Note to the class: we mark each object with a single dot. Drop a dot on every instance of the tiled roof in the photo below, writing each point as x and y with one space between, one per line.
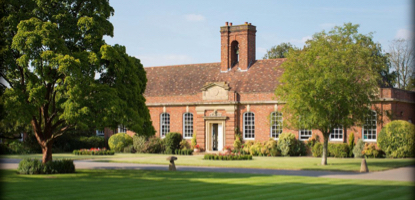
189 79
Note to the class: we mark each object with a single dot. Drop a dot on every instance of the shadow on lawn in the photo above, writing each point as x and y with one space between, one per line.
142 184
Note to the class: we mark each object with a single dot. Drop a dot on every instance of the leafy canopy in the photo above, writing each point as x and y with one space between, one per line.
280 51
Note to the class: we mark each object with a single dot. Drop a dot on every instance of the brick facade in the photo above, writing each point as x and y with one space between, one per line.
220 94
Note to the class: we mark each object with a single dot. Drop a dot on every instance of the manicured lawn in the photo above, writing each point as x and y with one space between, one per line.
293 163
139 184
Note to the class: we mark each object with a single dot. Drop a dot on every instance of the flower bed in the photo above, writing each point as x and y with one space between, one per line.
230 156
93 151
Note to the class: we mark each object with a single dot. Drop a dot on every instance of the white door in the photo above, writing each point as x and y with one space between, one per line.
220 137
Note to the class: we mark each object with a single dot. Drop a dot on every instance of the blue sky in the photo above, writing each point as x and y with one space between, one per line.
161 32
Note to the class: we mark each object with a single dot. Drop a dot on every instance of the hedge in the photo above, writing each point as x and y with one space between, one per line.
35 166
227 157
93 152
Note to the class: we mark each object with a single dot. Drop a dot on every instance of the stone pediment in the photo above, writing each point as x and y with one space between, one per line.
215 91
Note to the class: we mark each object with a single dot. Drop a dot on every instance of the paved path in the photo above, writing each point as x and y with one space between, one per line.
399 174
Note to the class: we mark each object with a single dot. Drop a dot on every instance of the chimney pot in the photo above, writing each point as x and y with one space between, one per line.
249 24
246 23
230 24
226 23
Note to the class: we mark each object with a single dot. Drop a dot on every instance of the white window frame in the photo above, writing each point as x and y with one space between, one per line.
100 133
250 126
276 125
372 117
337 131
187 125
122 129
304 131
164 127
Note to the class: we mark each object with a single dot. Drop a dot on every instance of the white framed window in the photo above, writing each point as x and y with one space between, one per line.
276 124
305 134
369 128
100 133
122 129
336 134
164 124
249 125
187 125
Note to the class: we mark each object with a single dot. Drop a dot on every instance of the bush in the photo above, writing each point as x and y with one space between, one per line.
93 151
255 149
237 144
270 148
119 141
287 144
14 147
397 139
139 143
184 145
194 141
338 150
227 157
317 149
358 148
247 147
371 151
351 144
129 149
34 166
154 145
172 141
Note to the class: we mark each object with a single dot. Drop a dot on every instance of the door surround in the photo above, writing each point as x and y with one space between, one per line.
208 132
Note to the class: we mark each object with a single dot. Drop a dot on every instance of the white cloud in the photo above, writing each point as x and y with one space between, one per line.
163 60
300 42
327 26
194 17
404 34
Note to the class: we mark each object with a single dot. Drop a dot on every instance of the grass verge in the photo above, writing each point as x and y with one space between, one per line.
139 184
289 163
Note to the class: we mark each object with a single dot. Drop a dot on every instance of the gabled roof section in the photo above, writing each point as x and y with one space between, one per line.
262 76
208 85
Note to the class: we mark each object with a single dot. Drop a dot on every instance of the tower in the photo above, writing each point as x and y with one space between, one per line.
237 46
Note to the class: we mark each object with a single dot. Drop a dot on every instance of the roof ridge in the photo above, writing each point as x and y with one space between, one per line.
182 65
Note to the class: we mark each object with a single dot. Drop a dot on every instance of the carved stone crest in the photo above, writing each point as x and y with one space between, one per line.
215 91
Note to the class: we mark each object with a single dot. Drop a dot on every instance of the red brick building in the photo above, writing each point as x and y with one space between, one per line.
213 100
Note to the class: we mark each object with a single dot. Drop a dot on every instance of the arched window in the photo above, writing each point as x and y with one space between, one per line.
336 134
187 125
276 124
234 53
249 125
164 124
369 128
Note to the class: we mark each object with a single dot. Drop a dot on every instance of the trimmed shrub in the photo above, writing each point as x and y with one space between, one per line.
247 147
255 149
371 151
270 148
194 141
184 145
317 149
119 141
358 148
139 143
93 152
287 144
227 157
237 144
172 141
129 149
397 139
351 144
338 150
154 145
35 166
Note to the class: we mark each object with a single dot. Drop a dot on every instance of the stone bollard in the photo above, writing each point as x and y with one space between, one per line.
363 166
172 167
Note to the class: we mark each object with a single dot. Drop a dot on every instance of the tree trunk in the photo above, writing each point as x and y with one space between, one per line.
47 152
325 145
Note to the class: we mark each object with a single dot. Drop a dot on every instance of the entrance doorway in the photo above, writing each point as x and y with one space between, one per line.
217 137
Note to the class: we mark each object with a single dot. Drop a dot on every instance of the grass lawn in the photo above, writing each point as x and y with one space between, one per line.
139 184
292 163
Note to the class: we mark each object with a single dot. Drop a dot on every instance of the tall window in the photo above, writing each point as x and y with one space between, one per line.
369 128
122 129
305 134
249 125
276 124
164 124
187 125
100 133
336 134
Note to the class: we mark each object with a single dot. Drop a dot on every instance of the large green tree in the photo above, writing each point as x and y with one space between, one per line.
61 73
279 51
331 82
